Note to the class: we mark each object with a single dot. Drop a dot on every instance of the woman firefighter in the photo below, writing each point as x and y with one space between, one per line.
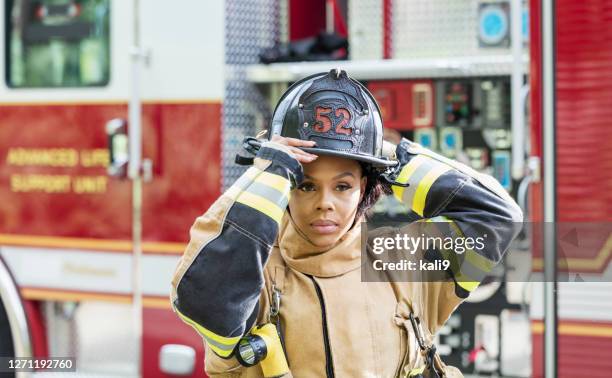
275 278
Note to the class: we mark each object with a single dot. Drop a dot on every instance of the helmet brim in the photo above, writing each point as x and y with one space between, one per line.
376 162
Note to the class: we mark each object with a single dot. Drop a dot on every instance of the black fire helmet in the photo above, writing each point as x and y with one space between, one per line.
338 113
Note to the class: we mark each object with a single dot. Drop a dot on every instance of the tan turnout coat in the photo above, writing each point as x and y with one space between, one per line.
333 323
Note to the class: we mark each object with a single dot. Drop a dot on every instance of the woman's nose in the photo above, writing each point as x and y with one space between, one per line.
325 201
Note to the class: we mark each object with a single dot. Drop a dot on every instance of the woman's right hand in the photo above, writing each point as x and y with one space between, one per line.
293 144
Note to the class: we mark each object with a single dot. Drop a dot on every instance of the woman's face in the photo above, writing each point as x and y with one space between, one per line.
324 205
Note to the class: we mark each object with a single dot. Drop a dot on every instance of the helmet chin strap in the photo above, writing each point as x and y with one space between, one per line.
354 220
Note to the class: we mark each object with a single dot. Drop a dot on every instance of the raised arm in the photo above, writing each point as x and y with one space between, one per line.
217 284
464 203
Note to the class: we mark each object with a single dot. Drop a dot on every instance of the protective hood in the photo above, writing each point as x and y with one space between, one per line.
300 254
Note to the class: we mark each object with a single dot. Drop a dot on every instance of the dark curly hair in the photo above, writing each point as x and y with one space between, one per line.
376 186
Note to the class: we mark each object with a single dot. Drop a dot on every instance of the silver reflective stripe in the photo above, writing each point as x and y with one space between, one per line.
227 348
246 178
472 272
414 180
269 193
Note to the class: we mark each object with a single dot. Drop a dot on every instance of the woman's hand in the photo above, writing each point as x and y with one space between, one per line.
293 144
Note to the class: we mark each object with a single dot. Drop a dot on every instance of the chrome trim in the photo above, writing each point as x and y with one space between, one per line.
18 321
517 78
549 200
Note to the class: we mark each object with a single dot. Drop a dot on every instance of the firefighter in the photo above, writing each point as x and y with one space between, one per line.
272 278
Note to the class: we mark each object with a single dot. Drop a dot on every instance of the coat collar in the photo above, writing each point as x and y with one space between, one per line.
300 254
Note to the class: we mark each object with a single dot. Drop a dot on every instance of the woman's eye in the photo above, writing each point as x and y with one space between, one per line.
306 187
343 187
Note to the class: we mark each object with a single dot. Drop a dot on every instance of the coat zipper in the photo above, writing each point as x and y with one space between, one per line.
329 364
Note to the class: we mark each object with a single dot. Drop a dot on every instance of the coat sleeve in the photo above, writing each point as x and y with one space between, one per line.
217 284
453 200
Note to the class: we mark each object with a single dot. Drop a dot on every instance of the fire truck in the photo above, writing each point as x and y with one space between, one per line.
120 120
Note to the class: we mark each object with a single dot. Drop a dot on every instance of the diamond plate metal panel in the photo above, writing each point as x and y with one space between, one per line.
437 28
365 29
250 26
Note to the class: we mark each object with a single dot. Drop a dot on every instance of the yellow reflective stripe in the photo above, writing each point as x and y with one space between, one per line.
261 204
479 261
467 285
223 346
274 181
416 371
269 179
405 174
263 191
472 263
424 185
456 229
461 278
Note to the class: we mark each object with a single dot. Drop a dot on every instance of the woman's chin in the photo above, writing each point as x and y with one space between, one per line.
323 241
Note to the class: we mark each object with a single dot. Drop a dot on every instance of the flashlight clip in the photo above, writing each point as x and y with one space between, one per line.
432 360
275 305
416 326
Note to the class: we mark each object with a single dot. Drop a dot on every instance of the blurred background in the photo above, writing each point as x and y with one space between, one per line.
120 121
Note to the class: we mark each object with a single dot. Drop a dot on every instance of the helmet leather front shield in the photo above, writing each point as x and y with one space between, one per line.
333 124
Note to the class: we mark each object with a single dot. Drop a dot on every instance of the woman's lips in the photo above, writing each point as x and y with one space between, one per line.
324 226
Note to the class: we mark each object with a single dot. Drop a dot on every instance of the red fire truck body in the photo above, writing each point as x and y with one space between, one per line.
65 224
582 171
